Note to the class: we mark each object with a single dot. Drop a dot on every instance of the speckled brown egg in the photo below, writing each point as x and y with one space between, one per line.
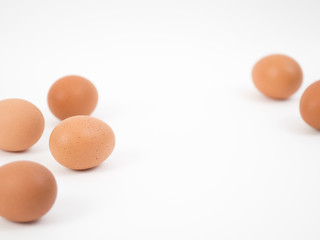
310 105
21 124
277 76
81 142
72 95
27 191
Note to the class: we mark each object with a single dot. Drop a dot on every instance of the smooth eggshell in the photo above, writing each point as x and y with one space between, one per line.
81 142
277 76
72 95
27 191
21 124
310 105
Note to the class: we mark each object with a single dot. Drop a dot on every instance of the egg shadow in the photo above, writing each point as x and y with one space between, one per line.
256 96
8 156
64 171
29 154
107 112
117 160
66 209
13 224
18 152
52 122
9 226
297 126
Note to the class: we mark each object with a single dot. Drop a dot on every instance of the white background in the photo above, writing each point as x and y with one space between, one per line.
200 153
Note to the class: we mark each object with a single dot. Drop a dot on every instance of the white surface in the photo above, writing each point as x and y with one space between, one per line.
200 153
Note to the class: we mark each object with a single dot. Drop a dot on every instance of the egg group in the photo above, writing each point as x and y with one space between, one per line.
28 190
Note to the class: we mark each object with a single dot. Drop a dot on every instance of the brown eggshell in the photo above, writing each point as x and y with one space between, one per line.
277 76
27 191
21 124
72 95
310 105
81 142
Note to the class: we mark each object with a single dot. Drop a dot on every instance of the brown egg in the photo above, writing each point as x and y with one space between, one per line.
310 105
277 76
81 142
21 124
72 95
27 191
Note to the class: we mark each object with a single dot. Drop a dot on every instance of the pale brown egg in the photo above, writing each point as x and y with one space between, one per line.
81 142
21 124
277 76
310 105
72 95
27 191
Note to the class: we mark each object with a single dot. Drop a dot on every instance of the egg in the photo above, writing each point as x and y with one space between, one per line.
277 76
27 191
81 142
310 105
72 95
21 124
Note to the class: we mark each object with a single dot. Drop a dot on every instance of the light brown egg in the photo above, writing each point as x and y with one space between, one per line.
310 105
81 142
72 95
277 76
27 191
21 124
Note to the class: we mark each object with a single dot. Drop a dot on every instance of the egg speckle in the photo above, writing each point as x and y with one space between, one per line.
81 142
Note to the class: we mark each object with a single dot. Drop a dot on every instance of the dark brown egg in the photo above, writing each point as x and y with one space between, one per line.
27 191
277 76
310 105
72 95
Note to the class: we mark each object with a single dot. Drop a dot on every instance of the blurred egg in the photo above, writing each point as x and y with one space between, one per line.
21 124
72 95
310 105
27 191
81 142
277 76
